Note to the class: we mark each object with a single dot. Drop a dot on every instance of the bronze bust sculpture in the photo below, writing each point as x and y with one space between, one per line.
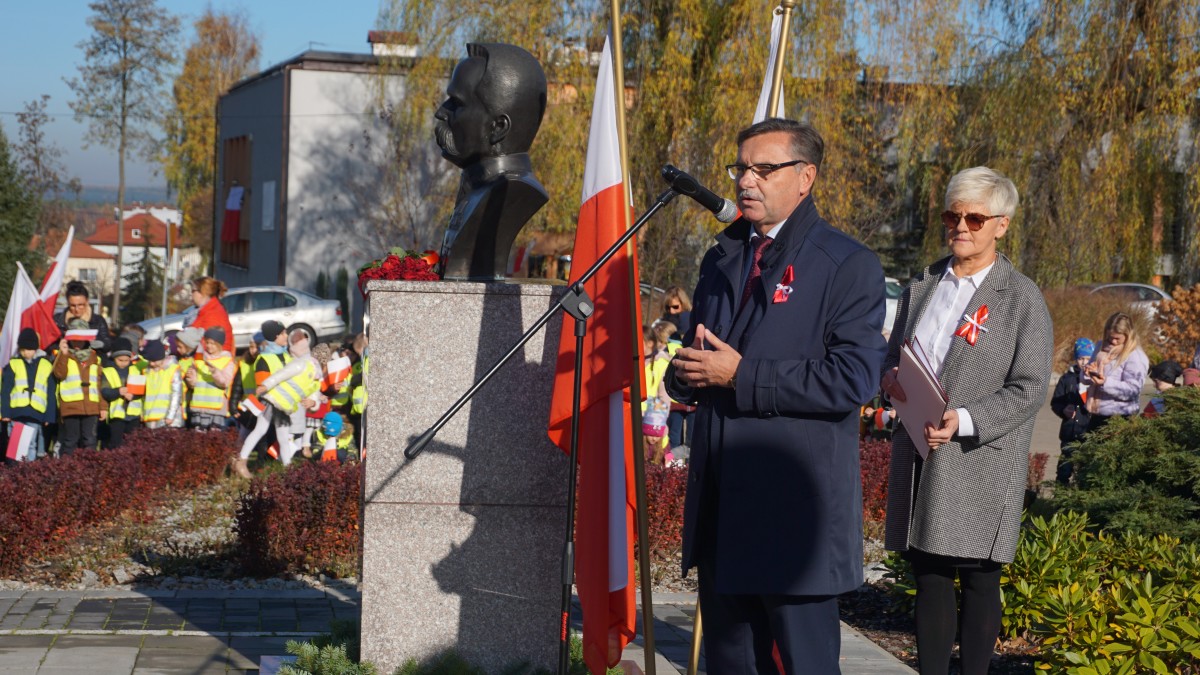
494 105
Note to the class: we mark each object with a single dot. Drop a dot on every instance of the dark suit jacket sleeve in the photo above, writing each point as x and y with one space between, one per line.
999 413
848 374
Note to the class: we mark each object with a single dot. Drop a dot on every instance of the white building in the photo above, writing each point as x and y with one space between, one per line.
143 230
306 145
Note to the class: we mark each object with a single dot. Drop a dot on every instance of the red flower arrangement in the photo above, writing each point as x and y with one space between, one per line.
399 264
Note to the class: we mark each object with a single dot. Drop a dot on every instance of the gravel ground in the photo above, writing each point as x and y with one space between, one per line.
186 542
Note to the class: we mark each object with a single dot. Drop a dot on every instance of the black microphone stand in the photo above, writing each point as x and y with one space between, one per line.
576 303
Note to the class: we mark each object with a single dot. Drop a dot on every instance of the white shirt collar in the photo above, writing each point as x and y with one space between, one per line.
772 233
973 279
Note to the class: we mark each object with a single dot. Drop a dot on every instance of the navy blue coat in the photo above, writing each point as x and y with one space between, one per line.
781 451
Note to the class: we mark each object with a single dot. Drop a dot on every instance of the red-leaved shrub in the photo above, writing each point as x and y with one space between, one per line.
1037 470
52 500
874 457
304 520
666 487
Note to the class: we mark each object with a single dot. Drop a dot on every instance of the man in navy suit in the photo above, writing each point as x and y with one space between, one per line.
786 345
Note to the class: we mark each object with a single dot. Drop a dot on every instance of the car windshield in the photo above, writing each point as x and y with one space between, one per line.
893 289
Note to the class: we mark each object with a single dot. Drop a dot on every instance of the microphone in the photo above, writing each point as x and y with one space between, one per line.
722 208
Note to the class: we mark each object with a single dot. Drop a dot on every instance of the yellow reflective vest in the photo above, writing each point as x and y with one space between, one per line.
118 409
71 388
286 395
26 394
359 397
158 392
206 394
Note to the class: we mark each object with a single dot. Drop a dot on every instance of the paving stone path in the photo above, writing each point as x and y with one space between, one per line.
199 632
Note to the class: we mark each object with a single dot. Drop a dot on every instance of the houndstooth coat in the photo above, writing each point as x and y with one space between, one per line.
971 491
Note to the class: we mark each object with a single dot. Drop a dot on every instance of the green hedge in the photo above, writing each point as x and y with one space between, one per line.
1142 475
1097 602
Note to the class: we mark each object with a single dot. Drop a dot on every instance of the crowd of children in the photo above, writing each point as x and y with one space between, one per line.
286 396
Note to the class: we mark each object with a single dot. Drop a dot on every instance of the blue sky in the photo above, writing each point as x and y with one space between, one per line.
39 47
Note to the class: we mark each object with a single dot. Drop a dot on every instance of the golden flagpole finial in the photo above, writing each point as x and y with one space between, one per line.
773 101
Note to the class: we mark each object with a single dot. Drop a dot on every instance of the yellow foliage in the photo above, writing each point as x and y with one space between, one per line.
223 52
1179 324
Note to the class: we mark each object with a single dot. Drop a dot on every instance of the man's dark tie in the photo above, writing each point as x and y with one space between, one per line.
755 279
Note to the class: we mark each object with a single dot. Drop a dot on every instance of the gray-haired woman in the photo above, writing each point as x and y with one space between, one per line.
957 513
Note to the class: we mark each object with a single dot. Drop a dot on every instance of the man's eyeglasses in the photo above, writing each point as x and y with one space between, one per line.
975 221
760 171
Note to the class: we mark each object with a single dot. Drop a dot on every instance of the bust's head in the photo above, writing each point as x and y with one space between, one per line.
494 104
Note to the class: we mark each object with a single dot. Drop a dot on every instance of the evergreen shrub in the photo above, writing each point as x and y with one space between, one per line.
1142 474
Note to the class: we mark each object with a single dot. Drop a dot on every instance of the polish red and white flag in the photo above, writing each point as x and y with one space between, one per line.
605 522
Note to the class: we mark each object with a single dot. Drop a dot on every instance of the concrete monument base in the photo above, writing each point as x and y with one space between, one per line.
462 546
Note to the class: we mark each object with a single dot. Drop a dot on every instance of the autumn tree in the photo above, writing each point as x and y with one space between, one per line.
18 216
119 88
426 184
223 51
1089 107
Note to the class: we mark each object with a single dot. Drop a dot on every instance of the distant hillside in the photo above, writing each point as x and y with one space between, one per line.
93 194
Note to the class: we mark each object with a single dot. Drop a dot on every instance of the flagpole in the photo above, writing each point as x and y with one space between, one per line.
774 100
635 335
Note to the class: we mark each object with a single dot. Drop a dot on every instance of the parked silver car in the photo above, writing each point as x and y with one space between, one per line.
249 307
892 290
1142 297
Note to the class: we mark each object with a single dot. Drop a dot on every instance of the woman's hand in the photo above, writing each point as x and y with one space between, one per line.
937 435
891 385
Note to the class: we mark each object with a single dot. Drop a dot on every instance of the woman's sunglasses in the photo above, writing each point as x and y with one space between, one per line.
975 221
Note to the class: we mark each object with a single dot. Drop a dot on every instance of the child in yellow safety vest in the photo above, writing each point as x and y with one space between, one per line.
77 369
162 406
27 396
187 341
210 377
124 405
285 395
334 440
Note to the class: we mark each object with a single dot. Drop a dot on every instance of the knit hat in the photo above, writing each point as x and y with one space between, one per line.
1167 371
258 338
190 337
216 334
28 339
1084 348
121 347
271 330
1191 377
331 424
154 351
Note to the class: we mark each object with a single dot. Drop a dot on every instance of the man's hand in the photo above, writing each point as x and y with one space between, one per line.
891 385
936 436
103 415
700 367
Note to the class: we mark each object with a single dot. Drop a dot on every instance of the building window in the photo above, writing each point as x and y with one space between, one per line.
235 191
135 233
87 274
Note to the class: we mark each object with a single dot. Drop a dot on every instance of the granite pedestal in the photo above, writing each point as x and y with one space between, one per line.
462 546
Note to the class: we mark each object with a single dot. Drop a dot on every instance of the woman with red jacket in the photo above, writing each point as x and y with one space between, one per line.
206 294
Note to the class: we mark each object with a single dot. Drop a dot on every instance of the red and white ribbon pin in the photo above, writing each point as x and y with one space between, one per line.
784 289
974 324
